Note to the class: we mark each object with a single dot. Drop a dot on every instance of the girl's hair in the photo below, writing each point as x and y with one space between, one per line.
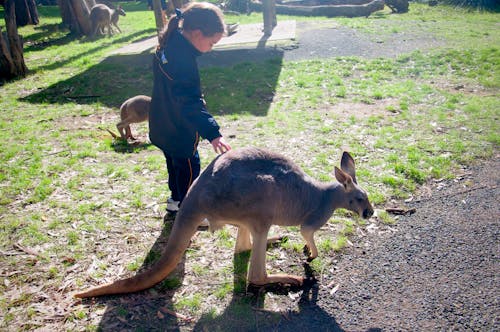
202 16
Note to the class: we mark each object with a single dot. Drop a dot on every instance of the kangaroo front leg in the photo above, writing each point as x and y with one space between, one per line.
121 129
308 235
129 133
257 274
243 240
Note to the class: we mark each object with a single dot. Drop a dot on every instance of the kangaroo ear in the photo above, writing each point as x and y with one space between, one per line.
344 178
347 165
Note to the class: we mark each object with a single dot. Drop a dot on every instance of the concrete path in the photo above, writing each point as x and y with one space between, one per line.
247 35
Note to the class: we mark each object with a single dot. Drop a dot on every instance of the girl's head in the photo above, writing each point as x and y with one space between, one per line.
202 23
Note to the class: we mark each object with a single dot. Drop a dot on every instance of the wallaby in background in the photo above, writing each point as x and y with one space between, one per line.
102 16
133 110
252 189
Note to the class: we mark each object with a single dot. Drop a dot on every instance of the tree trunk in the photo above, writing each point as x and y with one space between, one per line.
327 10
269 16
324 2
26 12
12 51
398 6
178 3
6 62
65 11
159 16
75 14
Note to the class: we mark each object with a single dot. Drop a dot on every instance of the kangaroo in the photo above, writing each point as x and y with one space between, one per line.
133 110
102 16
252 189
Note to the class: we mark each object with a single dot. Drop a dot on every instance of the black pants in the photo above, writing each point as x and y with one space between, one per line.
181 174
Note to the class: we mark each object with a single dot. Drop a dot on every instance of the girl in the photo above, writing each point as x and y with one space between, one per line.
178 115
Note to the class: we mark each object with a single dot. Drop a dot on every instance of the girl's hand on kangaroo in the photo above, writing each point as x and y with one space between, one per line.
220 145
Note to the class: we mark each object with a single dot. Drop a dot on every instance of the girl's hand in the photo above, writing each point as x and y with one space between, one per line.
220 145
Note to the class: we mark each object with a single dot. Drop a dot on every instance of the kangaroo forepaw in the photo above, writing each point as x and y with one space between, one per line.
308 253
306 250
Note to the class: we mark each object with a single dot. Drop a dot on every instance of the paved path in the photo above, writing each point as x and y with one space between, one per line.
248 35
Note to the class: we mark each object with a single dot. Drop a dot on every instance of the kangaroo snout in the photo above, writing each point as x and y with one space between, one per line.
368 212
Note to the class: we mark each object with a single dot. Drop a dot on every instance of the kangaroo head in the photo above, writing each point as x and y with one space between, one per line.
120 11
355 197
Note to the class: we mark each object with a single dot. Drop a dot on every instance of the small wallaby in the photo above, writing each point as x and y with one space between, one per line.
133 110
252 189
102 16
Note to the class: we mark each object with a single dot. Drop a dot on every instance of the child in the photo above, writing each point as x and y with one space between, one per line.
178 115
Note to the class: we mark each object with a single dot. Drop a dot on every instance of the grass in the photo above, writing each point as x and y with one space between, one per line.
88 208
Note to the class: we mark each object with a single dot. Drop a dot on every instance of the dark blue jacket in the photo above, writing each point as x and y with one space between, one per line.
178 114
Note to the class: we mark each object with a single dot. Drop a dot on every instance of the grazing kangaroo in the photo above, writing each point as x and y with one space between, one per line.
133 110
102 16
252 189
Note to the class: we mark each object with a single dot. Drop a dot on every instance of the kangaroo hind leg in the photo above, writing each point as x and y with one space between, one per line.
257 274
243 240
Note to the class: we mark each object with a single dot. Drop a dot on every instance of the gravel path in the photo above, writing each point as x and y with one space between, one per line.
314 41
436 270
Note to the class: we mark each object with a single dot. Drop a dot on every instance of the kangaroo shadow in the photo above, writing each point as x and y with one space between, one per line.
246 310
149 310
122 146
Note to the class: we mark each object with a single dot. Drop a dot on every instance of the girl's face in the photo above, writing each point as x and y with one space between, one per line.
201 42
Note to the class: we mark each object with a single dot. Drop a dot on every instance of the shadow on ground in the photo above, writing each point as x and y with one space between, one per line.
149 310
152 310
246 312
231 83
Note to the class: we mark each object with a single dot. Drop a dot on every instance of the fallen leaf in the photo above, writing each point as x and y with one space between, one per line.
334 289
175 314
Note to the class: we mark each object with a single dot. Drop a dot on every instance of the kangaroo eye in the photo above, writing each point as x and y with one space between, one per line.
361 197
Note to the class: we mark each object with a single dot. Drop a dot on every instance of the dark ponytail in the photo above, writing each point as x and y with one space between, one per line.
173 24
202 16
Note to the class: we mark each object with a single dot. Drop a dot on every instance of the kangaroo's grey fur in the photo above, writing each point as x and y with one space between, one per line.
101 16
133 110
252 189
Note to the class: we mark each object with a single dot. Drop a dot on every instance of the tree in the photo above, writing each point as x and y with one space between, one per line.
347 8
11 49
75 15
26 12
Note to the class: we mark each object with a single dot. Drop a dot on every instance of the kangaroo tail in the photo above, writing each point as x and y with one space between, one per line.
177 243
